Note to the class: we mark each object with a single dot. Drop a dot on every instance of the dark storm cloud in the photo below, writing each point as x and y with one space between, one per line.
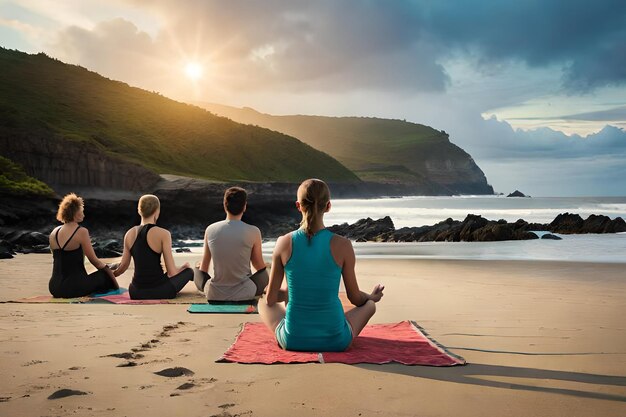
588 39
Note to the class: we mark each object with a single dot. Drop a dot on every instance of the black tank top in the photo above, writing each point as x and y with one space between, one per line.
148 269
67 263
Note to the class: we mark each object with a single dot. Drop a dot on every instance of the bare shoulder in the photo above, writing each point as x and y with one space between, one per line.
340 242
283 241
164 233
131 233
83 232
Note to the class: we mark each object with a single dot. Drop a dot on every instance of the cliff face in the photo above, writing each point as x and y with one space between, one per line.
63 164
454 169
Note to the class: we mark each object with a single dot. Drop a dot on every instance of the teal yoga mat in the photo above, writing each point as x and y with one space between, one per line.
207 308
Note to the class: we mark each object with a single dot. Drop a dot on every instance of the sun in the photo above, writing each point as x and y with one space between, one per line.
193 70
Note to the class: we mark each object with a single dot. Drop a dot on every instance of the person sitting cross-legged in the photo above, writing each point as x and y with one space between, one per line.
146 244
313 260
233 246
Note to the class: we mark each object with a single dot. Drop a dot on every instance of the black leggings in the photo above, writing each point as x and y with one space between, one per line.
80 285
166 290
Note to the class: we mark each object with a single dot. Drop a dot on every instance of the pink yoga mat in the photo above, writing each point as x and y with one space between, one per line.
403 342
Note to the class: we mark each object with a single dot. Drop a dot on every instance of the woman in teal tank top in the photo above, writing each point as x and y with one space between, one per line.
313 260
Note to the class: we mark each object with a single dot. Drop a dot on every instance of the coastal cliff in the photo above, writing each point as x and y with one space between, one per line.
68 165
378 150
72 127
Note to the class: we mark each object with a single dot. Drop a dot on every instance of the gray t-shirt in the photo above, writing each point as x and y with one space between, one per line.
230 243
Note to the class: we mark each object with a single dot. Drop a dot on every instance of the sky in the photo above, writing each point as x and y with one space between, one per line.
534 90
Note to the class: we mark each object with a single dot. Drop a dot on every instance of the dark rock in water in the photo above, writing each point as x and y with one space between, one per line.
36 249
603 224
499 232
183 250
469 226
517 193
365 229
6 250
550 236
109 248
65 392
439 231
26 238
537 226
473 229
566 223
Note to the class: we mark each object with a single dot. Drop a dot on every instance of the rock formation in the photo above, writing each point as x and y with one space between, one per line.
64 164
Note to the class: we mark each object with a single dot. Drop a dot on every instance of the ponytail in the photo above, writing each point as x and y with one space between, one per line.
313 196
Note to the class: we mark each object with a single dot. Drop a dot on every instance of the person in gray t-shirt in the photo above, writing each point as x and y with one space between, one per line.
233 246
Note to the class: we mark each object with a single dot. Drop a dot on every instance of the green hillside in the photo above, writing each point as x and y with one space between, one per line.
379 150
14 180
44 97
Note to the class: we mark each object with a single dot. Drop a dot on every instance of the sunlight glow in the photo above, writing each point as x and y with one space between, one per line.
193 70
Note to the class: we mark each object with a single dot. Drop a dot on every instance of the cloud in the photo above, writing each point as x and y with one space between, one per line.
114 48
614 114
586 39
399 46
500 141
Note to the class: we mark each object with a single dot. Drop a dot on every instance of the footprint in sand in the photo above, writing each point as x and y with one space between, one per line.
33 362
194 383
65 392
170 327
186 385
175 372
124 355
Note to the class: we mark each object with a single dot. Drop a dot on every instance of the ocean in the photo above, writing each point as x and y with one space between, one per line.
419 211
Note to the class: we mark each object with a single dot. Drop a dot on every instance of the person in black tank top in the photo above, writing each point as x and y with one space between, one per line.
149 280
69 278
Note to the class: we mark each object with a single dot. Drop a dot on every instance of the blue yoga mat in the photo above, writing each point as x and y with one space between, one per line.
112 292
222 308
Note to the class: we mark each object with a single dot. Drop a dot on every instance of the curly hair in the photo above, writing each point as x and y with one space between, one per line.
68 207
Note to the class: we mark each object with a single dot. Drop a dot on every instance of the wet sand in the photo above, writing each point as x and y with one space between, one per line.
541 339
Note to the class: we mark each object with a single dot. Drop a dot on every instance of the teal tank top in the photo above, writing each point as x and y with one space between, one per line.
314 319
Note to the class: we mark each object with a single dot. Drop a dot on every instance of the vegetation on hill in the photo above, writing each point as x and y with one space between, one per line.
44 97
381 150
13 180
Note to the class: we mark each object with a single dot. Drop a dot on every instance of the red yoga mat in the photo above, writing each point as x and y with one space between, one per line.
403 342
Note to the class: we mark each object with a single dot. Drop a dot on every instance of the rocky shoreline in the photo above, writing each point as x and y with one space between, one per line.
188 205
475 228
275 216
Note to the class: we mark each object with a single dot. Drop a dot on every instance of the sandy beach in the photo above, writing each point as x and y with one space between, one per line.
541 339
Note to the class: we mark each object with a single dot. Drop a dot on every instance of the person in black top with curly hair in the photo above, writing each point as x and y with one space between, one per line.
69 244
